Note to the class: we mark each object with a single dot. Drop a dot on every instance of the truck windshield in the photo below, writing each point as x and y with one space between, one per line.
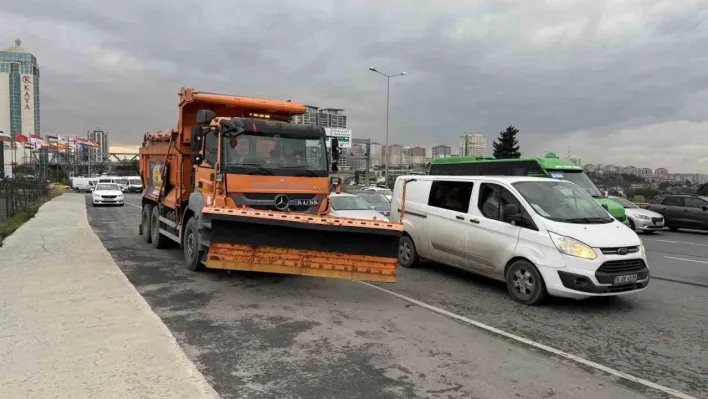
274 154
578 178
562 202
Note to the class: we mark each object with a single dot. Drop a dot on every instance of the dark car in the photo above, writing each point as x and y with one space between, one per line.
682 211
377 200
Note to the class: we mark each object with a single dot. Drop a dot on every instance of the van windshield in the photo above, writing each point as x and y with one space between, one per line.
562 202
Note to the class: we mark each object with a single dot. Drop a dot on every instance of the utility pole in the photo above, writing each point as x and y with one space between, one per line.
388 92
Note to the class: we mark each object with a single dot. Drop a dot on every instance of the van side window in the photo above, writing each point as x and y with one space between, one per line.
452 195
493 198
211 144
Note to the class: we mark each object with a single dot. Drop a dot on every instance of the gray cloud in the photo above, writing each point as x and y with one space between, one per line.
556 70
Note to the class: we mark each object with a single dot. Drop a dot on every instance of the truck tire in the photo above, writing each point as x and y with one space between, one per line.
145 223
190 242
158 240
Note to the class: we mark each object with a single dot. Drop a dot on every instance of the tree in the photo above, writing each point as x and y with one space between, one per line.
507 146
703 189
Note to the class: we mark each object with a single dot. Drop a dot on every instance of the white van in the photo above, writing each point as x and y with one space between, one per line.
541 236
81 184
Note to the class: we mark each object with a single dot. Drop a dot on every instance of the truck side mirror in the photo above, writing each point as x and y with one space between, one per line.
205 116
196 143
335 149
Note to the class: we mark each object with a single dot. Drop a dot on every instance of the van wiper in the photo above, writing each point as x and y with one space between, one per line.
302 167
588 220
257 166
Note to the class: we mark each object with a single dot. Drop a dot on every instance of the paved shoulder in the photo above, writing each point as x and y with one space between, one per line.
73 326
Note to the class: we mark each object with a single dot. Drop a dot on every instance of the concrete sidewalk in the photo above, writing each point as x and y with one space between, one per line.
72 325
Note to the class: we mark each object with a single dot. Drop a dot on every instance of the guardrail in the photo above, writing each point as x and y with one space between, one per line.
17 194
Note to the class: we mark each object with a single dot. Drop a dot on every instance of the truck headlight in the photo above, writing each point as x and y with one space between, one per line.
572 247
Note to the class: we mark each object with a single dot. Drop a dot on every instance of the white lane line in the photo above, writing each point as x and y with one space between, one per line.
537 345
137 206
684 259
675 242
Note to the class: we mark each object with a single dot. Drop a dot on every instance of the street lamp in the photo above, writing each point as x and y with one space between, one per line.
388 92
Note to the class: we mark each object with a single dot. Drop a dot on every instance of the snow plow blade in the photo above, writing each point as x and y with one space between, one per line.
307 245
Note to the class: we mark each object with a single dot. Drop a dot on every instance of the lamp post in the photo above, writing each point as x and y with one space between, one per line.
388 92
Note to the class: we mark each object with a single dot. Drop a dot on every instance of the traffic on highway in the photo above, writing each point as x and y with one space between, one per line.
428 323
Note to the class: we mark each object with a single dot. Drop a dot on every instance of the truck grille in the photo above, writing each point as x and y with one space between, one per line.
622 266
616 250
271 196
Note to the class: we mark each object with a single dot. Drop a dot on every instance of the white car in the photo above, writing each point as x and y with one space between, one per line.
386 192
352 206
107 194
641 219
540 236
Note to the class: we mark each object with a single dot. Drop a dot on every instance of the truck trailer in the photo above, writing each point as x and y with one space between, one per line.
238 187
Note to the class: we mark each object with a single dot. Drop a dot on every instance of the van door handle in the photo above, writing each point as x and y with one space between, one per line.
474 221
460 217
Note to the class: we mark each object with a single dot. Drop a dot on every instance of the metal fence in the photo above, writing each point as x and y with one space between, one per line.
17 194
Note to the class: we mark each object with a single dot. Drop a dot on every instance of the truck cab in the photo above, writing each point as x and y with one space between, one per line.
261 164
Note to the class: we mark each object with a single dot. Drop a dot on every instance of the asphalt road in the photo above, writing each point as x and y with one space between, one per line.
680 255
336 338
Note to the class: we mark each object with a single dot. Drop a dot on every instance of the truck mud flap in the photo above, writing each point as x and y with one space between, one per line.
308 245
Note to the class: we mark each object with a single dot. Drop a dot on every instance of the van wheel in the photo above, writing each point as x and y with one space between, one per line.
525 283
158 240
191 245
407 255
145 223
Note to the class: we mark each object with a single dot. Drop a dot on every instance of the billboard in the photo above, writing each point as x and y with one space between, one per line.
343 135
5 102
27 103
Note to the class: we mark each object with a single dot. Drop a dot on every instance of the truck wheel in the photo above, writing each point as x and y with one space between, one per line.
158 240
145 223
525 283
191 245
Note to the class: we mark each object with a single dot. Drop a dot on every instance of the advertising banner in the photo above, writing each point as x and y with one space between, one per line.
27 103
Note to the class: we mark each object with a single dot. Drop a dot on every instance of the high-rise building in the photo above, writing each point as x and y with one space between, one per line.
376 154
415 156
19 91
441 151
101 137
325 117
394 153
473 145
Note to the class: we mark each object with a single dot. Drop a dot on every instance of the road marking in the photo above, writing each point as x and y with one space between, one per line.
137 206
675 242
687 260
537 345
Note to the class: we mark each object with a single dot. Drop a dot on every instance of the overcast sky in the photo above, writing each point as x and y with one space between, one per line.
614 81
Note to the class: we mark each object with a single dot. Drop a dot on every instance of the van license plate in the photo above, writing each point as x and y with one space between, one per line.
628 279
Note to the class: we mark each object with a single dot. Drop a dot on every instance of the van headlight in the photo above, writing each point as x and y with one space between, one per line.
572 247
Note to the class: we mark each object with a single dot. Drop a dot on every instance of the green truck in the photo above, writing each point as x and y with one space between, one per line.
549 166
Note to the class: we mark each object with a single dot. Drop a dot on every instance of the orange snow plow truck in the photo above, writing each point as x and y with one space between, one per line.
238 187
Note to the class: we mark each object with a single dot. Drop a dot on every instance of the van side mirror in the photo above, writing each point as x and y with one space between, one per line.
205 116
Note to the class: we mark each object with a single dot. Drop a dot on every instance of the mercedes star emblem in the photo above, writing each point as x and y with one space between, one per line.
281 202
